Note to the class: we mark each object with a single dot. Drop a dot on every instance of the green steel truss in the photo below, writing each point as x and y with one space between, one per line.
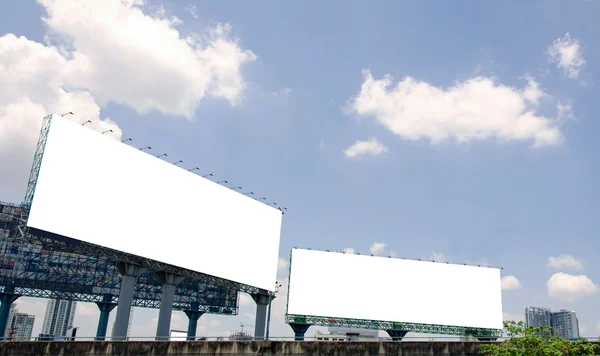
389 325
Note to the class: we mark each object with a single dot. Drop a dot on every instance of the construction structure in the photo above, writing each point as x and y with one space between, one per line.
40 259
411 296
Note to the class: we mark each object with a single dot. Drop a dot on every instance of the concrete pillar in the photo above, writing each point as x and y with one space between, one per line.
105 306
193 315
6 298
299 330
397 335
130 274
262 302
170 281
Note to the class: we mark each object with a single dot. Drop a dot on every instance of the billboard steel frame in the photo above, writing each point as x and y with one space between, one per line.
106 253
389 325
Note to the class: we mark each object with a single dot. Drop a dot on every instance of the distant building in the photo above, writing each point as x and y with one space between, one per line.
22 326
345 334
59 317
19 325
8 330
564 323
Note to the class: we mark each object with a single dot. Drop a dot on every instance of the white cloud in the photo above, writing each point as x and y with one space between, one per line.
368 147
564 261
349 250
568 287
282 264
438 256
510 283
106 51
142 60
598 328
476 109
192 10
377 248
566 53
33 81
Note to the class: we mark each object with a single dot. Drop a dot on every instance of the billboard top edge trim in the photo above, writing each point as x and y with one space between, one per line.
391 257
57 116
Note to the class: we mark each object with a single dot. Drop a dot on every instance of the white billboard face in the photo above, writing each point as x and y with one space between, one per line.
328 284
98 190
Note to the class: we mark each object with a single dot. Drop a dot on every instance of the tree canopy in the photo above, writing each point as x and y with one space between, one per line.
539 341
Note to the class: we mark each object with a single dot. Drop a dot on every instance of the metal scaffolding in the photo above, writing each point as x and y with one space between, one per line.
388 325
37 271
83 248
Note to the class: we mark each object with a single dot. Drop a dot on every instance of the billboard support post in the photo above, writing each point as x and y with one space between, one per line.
105 306
170 281
262 301
193 314
7 297
397 335
130 275
299 330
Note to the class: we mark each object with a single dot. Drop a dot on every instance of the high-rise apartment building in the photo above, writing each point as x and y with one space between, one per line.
22 326
564 323
19 325
11 314
535 317
59 317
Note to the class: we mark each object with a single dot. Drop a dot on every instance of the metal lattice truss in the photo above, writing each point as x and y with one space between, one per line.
388 325
36 271
100 252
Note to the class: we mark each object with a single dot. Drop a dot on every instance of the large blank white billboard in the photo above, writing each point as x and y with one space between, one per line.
337 285
96 189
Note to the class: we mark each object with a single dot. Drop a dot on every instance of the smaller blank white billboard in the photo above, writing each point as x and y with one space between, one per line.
337 285
96 189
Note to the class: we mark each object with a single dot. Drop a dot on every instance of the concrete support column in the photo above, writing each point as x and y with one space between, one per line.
105 306
130 274
193 315
299 330
6 298
170 281
262 302
397 335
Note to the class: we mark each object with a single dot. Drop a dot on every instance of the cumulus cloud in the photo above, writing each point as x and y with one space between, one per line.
369 147
564 261
568 287
566 53
377 248
282 264
106 51
476 109
349 250
33 86
510 283
438 256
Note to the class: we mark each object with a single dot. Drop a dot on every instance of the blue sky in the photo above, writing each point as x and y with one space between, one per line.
455 167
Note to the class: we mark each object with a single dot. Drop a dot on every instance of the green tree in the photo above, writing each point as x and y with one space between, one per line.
538 341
